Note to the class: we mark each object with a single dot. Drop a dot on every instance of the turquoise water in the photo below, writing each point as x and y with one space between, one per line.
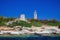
29 37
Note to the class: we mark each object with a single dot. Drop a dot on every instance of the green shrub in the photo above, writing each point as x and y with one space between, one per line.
38 24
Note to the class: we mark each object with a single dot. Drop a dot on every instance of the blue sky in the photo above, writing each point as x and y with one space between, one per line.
46 9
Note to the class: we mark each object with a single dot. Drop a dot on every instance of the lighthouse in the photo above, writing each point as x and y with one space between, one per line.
35 14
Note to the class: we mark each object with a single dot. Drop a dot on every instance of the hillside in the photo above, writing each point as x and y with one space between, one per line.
37 23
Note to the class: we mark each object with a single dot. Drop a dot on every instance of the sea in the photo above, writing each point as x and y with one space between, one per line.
31 37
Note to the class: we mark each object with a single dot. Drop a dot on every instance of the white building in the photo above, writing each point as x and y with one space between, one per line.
22 17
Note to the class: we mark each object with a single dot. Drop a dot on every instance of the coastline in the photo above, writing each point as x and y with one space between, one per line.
31 35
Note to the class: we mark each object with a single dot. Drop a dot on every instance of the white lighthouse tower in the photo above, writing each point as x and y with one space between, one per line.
35 14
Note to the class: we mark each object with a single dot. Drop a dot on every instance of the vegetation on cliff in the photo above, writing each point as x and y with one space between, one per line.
34 22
